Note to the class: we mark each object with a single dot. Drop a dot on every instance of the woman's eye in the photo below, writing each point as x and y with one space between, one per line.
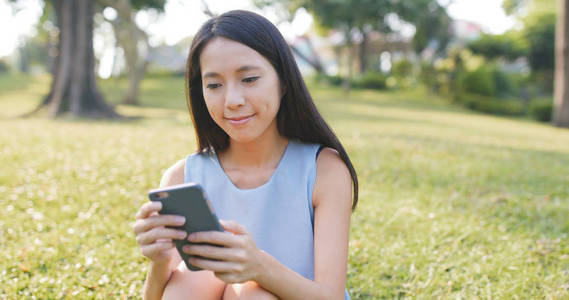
251 79
213 85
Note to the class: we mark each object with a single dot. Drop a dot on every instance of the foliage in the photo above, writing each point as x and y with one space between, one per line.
492 105
541 109
480 81
361 16
540 34
487 80
370 80
402 68
335 80
529 7
4 66
509 45
432 23
146 4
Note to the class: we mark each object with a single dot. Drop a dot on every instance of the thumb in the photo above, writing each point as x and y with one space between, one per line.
233 227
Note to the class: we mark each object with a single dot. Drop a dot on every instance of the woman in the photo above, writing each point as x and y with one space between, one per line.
270 166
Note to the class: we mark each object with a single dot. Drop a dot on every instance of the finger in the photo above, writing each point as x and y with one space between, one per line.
226 239
159 233
147 208
233 227
216 266
148 223
153 249
228 277
213 252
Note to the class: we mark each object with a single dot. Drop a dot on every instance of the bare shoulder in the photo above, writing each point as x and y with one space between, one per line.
174 174
333 180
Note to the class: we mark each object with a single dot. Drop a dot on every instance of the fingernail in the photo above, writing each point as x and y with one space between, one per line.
181 234
191 237
180 220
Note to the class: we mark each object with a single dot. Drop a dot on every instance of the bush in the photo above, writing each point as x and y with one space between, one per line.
541 110
429 75
402 68
4 67
479 81
370 80
487 81
492 105
335 80
504 85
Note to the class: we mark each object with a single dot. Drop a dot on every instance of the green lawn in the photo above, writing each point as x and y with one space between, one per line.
453 204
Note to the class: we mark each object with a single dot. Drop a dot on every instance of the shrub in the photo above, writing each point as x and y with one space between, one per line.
541 110
335 80
504 85
487 81
4 67
370 80
429 75
402 68
492 105
480 81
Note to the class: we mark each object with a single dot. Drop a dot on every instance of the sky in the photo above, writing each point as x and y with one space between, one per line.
182 18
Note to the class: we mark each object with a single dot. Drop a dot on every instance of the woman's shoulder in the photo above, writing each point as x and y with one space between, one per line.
332 176
174 174
329 160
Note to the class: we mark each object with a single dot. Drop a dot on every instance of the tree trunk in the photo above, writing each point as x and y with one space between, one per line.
561 102
363 51
134 42
73 87
347 83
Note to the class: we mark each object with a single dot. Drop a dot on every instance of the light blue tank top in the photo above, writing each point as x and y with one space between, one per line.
279 214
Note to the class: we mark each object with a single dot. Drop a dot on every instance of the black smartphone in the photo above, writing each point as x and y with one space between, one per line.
187 200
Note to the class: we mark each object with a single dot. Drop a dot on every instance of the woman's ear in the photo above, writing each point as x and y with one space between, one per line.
283 90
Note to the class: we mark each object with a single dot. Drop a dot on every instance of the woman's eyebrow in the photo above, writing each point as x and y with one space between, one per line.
210 74
246 68
241 69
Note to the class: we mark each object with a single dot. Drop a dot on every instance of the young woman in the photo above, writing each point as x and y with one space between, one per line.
273 170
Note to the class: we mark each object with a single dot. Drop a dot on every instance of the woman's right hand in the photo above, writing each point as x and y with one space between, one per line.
155 240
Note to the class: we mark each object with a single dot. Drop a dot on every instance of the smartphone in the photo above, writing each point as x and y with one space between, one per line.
187 200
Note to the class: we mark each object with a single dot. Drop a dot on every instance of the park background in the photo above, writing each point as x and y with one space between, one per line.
464 176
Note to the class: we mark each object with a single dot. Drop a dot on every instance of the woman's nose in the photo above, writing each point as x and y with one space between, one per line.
234 98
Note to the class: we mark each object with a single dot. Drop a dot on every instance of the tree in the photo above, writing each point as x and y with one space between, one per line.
432 23
361 17
73 88
133 41
560 53
507 45
561 100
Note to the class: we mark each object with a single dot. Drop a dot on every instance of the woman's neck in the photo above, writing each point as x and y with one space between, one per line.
261 153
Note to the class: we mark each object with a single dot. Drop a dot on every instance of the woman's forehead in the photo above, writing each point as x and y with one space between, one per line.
222 54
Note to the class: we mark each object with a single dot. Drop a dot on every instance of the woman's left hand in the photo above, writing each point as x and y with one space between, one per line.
238 260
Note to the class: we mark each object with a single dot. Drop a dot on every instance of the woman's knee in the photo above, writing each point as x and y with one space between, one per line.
247 290
185 284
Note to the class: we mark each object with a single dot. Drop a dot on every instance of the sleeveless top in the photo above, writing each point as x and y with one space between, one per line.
278 214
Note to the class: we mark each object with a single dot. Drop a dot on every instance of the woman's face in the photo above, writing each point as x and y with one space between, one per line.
241 89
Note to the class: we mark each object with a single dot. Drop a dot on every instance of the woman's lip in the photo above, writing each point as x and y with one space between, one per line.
239 120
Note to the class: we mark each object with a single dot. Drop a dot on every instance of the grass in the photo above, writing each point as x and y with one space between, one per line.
453 204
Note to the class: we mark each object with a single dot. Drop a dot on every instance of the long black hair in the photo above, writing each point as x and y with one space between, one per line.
297 118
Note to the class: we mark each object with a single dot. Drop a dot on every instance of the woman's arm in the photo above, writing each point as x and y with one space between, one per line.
240 260
159 272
